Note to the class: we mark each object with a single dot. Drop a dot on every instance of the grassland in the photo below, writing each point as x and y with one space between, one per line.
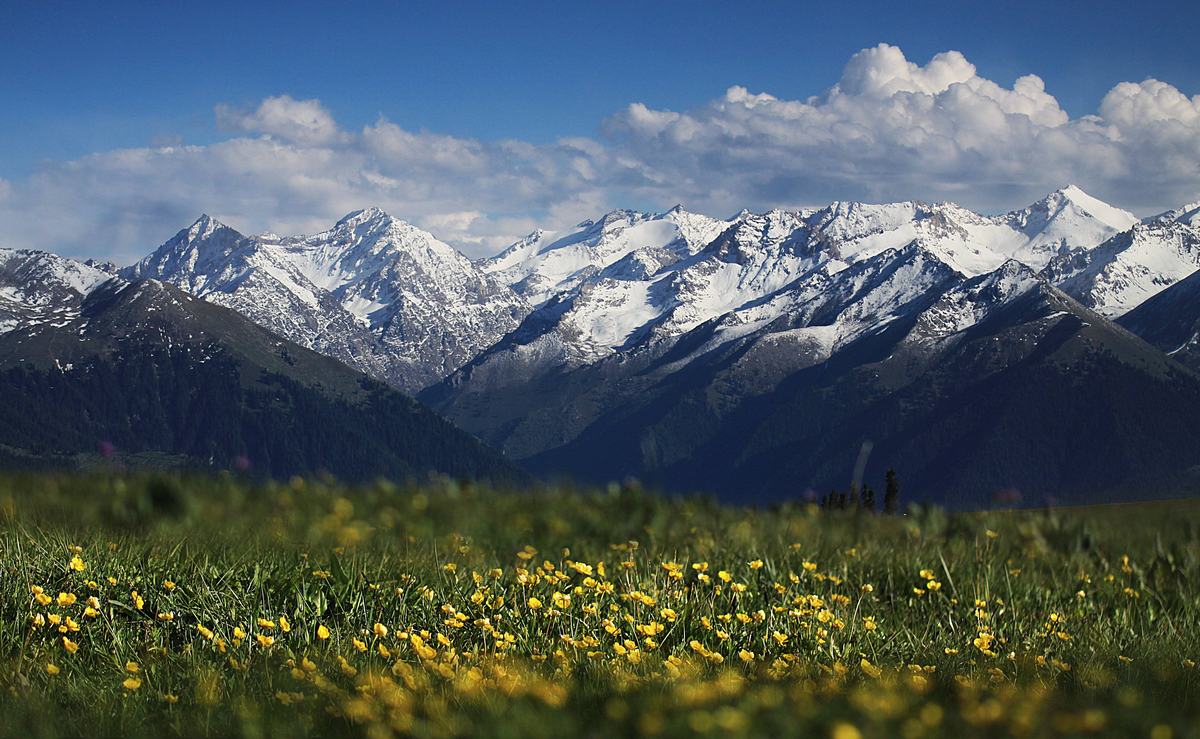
155 606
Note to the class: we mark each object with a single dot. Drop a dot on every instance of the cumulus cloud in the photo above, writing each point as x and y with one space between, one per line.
121 204
305 122
891 129
888 129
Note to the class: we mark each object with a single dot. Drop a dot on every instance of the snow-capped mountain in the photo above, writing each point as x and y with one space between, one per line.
548 263
1171 320
632 367
1066 219
631 279
958 380
1134 265
973 244
696 351
39 287
373 291
166 379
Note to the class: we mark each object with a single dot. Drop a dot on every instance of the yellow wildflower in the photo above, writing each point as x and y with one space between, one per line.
843 730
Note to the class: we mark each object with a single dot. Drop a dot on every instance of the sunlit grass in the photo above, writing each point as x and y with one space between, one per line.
157 606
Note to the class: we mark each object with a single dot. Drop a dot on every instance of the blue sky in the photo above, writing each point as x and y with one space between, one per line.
84 79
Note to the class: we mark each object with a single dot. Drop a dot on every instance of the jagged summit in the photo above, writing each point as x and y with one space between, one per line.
372 215
565 336
793 337
1188 214
1072 201
394 300
376 292
204 227
1108 213
152 369
38 288
549 263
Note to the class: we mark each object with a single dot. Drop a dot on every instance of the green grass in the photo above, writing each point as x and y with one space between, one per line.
563 613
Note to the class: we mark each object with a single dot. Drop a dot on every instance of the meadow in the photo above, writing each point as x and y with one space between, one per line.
165 606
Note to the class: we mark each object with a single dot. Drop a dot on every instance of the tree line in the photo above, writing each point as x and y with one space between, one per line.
865 499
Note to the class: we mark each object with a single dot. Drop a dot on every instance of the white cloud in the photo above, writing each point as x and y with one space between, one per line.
889 129
297 121
882 71
121 204
1130 105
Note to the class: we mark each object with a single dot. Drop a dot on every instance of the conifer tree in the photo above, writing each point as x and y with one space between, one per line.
891 494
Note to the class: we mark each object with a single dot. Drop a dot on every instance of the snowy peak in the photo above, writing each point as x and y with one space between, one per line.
373 291
547 263
1012 279
26 268
1066 219
971 243
847 220
976 300
847 268
204 227
1071 206
1134 265
369 239
375 223
1073 196
365 215
38 287
193 257
763 238
1188 215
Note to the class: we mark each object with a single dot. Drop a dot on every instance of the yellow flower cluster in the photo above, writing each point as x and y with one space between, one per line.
851 638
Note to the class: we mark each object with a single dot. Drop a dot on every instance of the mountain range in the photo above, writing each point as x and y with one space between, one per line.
377 293
760 356
103 371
